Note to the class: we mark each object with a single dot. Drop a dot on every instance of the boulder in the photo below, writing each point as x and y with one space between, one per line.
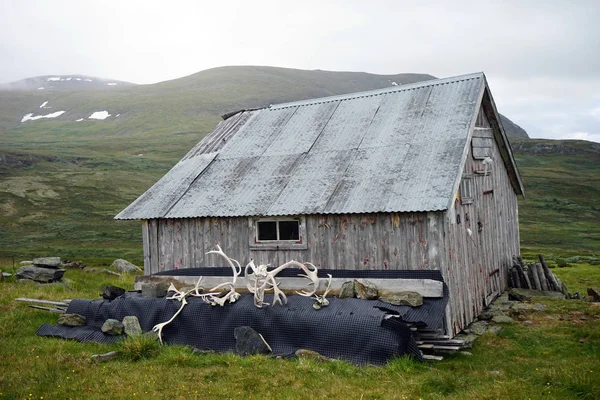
51 262
412 299
112 327
477 328
110 292
486 315
131 326
71 320
154 289
347 290
125 266
528 294
248 342
40 274
366 290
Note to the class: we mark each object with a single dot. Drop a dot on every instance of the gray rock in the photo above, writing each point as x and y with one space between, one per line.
105 357
112 327
486 315
71 320
347 290
51 262
248 342
131 326
40 274
154 290
539 307
125 266
527 323
477 328
528 294
110 292
413 299
366 290
28 262
6 275
502 319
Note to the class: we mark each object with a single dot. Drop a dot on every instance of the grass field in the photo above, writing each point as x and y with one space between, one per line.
557 357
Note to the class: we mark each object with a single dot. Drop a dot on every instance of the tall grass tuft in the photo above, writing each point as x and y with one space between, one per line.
139 347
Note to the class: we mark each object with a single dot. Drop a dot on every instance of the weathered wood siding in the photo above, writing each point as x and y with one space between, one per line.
356 241
472 244
476 263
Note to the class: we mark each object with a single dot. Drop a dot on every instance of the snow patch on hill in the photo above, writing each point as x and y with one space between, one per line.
44 105
99 115
31 117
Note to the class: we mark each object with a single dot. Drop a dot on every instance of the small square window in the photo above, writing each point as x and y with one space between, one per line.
278 233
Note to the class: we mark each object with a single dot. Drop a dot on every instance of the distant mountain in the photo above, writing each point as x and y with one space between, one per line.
513 130
67 83
179 105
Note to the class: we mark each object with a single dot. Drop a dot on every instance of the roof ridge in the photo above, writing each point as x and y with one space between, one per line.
377 92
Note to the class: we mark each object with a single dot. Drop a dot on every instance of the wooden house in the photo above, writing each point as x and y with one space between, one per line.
410 177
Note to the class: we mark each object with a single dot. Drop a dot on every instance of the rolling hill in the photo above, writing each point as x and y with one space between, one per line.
72 156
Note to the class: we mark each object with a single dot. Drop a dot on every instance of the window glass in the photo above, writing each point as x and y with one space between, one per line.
267 230
289 230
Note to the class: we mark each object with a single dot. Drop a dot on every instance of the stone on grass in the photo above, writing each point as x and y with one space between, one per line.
110 292
347 290
112 327
477 328
71 320
105 357
154 290
248 342
52 262
486 315
365 289
40 274
125 266
539 307
27 262
412 299
131 326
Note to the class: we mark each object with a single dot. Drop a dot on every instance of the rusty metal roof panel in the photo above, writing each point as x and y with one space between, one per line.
391 150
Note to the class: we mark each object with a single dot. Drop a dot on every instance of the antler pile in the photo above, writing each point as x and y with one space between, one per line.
258 281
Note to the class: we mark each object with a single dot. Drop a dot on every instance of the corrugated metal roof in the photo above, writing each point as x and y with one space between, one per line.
390 150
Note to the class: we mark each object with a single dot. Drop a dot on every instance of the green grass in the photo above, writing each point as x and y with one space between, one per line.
558 357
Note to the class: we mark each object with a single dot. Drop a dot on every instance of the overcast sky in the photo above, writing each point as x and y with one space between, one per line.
541 58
